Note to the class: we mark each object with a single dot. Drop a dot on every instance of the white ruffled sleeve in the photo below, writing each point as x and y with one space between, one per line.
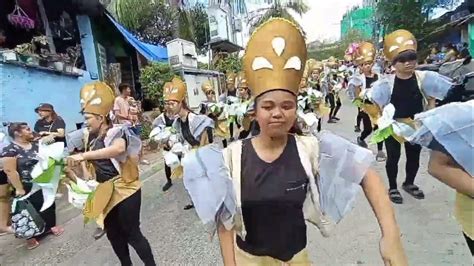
381 91
342 166
452 126
208 182
435 85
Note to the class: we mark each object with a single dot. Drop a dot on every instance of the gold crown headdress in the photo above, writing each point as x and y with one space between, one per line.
242 80
312 65
398 42
230 78
97 98
275 57
303 83
206 86
366 53
174 90
348 57
332 62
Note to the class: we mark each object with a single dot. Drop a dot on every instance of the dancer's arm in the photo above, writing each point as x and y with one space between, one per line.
446 170
118 147
431 103
391 247
226 240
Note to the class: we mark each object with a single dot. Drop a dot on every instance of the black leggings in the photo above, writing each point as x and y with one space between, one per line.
470 244
359 117
122 225
334 103
412 153
168 173
368 129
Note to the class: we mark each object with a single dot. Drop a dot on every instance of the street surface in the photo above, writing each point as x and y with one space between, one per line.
431 235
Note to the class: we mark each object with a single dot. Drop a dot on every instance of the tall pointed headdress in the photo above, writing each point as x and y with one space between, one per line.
275 57
175 90
97 98
242 80
207 86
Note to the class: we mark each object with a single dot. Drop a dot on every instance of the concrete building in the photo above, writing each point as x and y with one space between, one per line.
360 19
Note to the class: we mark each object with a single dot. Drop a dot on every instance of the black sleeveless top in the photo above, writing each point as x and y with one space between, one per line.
188 136
272 203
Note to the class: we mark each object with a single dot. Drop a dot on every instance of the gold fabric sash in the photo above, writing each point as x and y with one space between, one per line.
373 111
222 129
407 121
106 196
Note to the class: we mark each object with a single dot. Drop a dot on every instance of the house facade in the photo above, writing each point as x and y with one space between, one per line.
103 44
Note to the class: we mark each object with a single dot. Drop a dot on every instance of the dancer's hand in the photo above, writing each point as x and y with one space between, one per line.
392 251
74 160
48 140
20 192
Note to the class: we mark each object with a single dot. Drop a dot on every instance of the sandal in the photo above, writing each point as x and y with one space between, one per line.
380 157
414 190
98 233
57 231
32 243
395 196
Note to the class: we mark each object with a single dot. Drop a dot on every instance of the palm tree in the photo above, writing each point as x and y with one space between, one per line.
278 8
184 25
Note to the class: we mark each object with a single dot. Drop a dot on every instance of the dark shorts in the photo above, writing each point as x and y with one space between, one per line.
436 146
137 130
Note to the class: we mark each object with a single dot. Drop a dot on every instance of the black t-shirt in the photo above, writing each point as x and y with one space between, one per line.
188 136
168 121
104 168
370 80
368 83
25 159
53 126
406 98
272 203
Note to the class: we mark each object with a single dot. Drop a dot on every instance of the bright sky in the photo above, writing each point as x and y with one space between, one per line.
323 20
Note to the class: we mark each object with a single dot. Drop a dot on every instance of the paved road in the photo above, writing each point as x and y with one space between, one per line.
430 233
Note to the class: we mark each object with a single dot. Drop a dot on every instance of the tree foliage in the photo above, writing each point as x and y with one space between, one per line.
158 22
279 10
337 49
408 14
200 22
151 21
191 24
133 14
153 77
228 63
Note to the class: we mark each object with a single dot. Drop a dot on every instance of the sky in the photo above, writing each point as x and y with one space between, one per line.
322 21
